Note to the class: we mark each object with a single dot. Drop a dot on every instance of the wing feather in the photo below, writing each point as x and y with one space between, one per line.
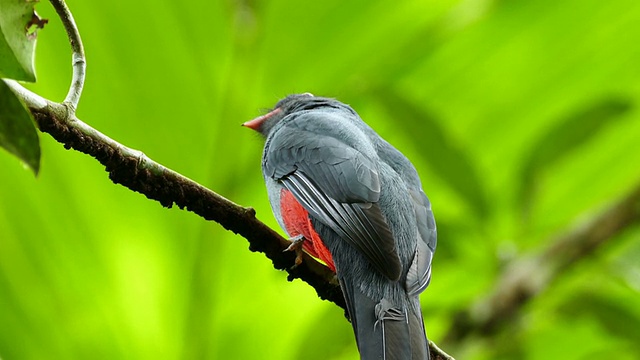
337 184
362 227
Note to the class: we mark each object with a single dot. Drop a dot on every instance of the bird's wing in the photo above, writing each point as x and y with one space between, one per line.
419 273
338 185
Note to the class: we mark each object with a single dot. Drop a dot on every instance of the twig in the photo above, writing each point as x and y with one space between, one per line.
31 99
134 170
529 275
437 353
78 60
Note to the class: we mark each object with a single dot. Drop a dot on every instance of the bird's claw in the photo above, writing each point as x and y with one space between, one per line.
296 245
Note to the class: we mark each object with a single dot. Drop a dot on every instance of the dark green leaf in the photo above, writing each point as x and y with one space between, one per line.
448 160
18 29
567 135
17 130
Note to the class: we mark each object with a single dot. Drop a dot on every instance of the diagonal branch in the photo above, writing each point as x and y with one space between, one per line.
134 170
531 274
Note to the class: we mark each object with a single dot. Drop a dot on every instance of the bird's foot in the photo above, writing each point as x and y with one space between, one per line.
296 245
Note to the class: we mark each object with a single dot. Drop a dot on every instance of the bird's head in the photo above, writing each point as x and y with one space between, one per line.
289 105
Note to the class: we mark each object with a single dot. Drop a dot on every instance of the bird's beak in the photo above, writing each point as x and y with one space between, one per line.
257 122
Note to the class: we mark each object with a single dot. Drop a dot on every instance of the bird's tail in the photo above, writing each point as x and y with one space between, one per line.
384 331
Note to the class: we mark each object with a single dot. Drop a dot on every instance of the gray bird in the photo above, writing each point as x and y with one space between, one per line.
349 198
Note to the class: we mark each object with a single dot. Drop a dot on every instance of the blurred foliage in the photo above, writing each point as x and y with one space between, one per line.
521 117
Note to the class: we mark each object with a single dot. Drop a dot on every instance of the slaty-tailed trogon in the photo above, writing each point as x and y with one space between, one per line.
357 204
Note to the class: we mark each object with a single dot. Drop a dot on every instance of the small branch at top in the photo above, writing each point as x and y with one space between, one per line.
78 60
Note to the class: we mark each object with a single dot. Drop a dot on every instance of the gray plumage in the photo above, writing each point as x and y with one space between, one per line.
365 200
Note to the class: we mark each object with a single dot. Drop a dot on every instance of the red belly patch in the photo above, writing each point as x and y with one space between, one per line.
297 222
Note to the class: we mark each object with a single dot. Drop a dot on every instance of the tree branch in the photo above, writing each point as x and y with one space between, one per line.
134 170
529 275
78 59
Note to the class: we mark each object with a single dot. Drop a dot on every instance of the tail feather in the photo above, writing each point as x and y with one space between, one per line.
384 331
419 343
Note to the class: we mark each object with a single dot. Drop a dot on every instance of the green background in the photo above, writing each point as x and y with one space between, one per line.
519 115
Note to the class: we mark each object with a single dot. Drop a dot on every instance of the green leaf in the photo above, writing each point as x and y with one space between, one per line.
567 135
18 31
17 130
448 160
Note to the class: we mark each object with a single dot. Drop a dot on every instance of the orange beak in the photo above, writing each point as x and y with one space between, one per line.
257 122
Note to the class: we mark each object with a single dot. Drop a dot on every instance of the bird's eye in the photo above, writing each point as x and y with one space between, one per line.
308 94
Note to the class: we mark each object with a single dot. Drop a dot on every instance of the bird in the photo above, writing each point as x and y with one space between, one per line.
349 198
